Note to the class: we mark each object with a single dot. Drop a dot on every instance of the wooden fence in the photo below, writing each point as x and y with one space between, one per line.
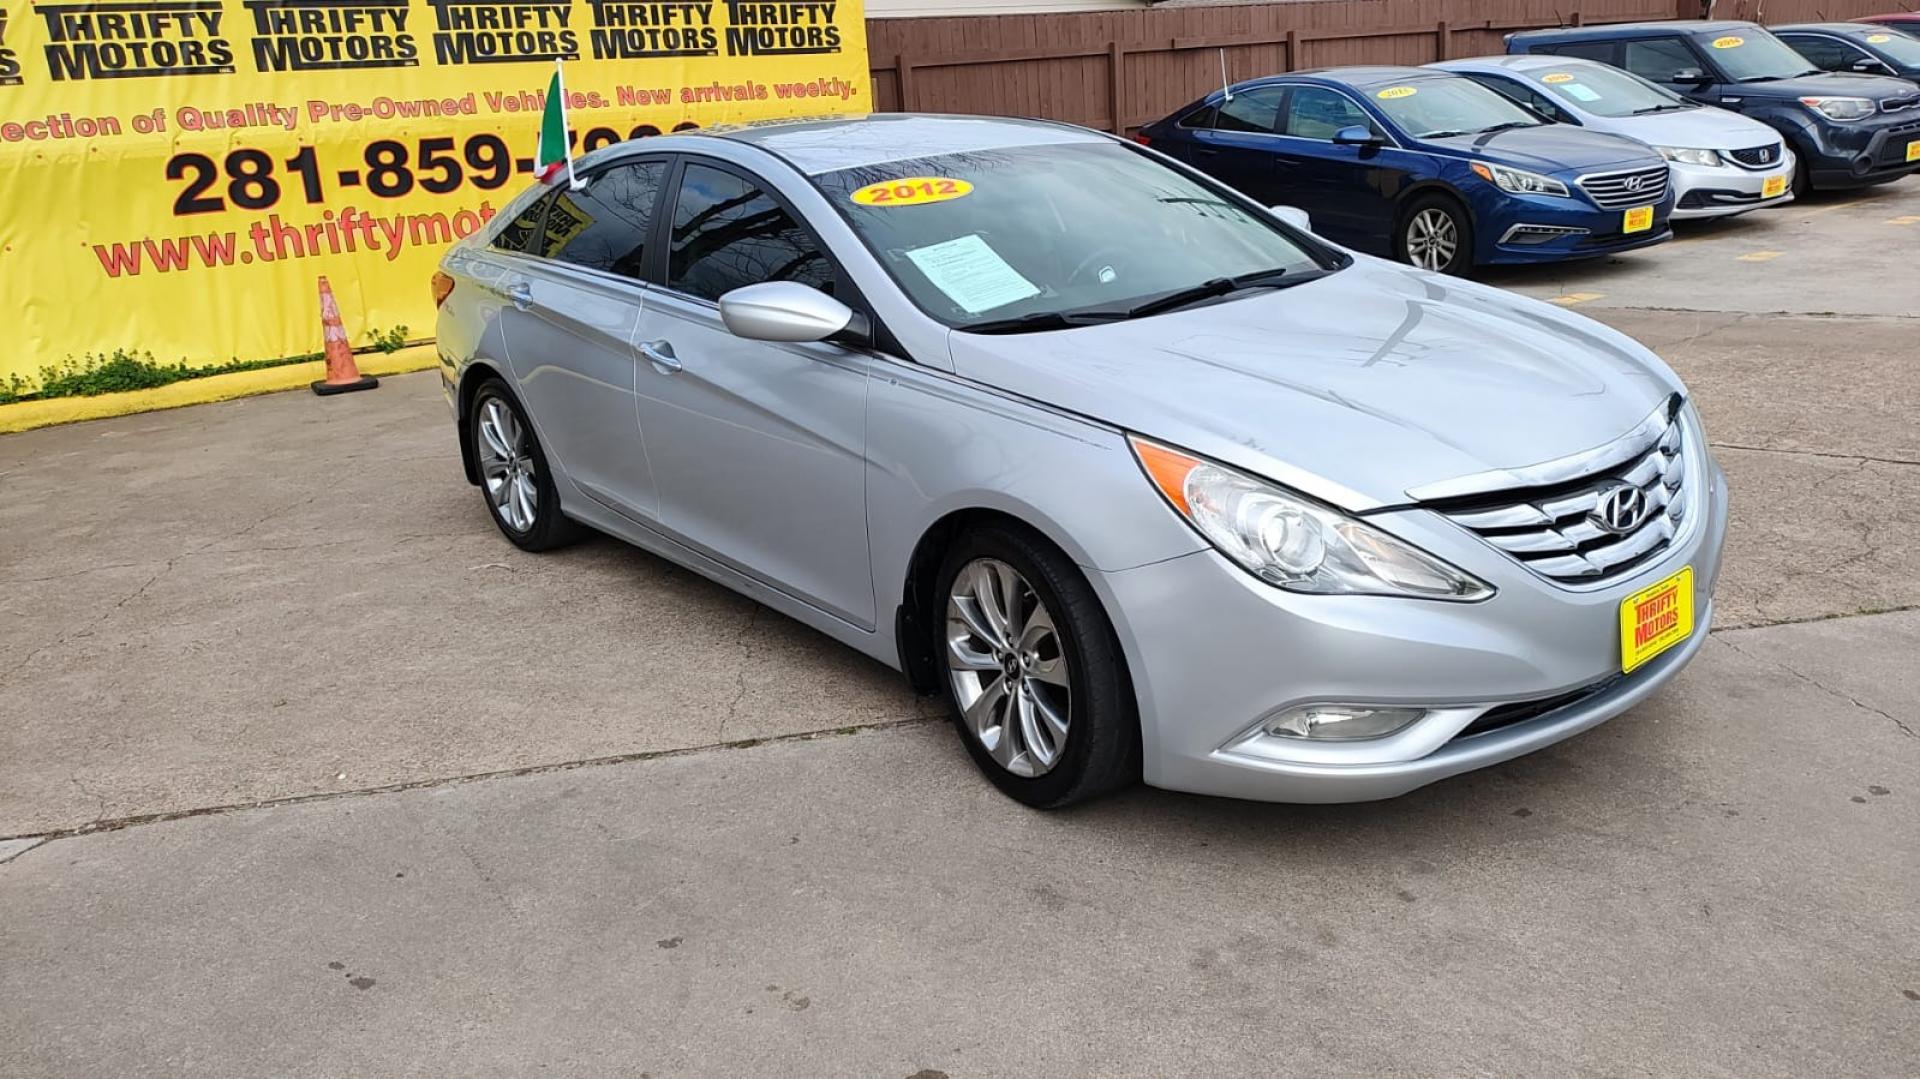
1118 70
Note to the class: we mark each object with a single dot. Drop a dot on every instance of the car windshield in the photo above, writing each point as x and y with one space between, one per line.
1435 108
1753 55
1086 231
1896 46
1608 91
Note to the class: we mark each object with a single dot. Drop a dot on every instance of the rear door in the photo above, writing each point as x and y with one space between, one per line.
1239 149
1349 190
760 448
573 306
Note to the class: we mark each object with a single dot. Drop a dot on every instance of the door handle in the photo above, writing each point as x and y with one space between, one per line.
660 355
521 294
1205 151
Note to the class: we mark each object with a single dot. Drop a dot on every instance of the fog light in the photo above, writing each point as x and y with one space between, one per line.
1341 722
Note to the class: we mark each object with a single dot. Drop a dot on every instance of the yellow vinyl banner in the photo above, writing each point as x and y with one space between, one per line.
175 175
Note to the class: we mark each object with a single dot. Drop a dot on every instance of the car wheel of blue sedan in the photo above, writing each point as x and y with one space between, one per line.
1034 674
1435 234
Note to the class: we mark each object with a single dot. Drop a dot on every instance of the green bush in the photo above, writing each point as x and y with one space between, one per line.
98 373
389 341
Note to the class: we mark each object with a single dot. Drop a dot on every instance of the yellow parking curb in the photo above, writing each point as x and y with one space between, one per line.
27 415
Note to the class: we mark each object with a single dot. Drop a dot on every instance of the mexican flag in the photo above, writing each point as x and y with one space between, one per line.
554 154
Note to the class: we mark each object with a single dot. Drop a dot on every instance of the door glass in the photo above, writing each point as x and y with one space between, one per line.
1601 51
518 234
728 233
1314 112
1250 110
1661 60
1520 95
1825 52
604 225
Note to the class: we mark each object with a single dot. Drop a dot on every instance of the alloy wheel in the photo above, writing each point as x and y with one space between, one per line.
507 466
1008 670
1432 239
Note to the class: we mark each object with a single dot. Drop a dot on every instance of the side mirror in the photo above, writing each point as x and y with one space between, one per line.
789 311
1357 135
1871 67
1691 76
1295 216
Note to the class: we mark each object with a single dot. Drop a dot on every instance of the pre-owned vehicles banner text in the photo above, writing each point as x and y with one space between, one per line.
175 174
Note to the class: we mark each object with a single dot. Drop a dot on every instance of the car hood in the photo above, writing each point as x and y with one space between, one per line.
1706 128
1829 84
1353 388
1550 148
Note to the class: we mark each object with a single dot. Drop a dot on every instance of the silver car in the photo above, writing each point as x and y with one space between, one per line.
1146 480
1722 163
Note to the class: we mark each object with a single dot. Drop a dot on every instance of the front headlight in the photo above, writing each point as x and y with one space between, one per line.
1841 108
1518 181
1689 156
1295 544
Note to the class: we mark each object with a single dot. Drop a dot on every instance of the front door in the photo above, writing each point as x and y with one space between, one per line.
1349 190
759 448
573 306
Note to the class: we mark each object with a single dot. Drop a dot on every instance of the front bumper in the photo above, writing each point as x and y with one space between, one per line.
1212 651
1534 228
1723 191
1857 155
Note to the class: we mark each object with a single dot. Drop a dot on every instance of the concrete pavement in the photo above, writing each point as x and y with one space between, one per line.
521 811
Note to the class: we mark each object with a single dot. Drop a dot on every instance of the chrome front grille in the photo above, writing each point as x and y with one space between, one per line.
1624 190
1558 525
1757 157
1900 104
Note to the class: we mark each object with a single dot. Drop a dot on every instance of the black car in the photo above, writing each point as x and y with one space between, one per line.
1860 48
1848 130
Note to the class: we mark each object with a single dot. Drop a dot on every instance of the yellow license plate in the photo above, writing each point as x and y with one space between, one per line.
1913 150
1774 187
1655 619
1639 219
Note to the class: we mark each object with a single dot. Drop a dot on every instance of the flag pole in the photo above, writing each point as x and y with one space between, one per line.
560 80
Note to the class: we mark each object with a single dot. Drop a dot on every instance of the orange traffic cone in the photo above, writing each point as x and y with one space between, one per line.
343 375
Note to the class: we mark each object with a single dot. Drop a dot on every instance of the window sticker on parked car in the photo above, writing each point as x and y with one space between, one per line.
972 274
1579 92
1557 78
1879 39
912 191
1728 42
1392 93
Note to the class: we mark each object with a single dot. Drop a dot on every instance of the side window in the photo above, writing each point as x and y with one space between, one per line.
518 234
728 233
1251 110
1660 59
1201 118
1521 95
1601 51
1315 112
604 225
1824 52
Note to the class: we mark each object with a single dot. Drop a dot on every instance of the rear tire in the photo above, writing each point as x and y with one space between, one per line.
515 480
1435 233
1032 671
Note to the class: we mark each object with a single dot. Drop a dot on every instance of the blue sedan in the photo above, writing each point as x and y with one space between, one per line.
1424 166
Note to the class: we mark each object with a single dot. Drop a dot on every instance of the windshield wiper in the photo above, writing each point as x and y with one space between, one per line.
1445 133
1037 321
1667 107
1507 126
1207 290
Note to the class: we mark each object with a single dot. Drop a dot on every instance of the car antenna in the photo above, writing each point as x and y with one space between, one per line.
1226 88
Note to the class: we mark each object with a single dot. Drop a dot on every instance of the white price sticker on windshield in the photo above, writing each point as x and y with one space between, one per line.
972 274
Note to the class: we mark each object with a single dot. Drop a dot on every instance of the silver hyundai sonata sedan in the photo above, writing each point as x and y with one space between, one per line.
1147 480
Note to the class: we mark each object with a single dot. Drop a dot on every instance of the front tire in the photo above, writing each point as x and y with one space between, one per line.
1033 672
515 479
1435 234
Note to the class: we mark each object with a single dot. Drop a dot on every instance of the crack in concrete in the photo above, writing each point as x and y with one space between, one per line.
742 642
1898 723
1862 458
136 820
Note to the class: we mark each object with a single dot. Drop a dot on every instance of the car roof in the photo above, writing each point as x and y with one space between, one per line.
1520 61
1357 77
1679 27
817 145
1846 29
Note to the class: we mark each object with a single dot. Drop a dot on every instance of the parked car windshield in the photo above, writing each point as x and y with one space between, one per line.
1089 230
1902 49
1753 55
1437 108
1608 91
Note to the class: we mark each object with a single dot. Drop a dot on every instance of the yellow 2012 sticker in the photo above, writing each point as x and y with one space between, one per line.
912 191
1729 42
1557 78
1392 93
1879 39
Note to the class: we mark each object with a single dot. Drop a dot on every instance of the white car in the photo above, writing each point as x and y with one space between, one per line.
1722 163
